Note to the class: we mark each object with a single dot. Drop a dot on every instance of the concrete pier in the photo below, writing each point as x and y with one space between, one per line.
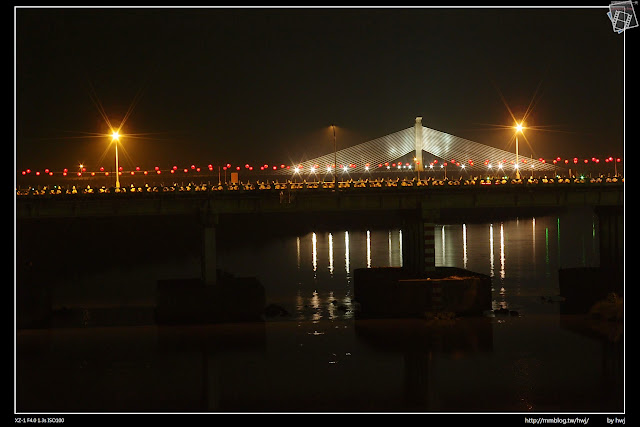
209 251
394 292
418 247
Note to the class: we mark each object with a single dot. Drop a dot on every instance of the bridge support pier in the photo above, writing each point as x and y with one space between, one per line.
209 255
582 287
418 247
611 230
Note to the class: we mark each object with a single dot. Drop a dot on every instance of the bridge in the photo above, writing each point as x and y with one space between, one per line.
419 202
420 140
419 206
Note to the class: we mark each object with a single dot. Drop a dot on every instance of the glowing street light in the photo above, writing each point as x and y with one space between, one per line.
115 136
335 158
518 129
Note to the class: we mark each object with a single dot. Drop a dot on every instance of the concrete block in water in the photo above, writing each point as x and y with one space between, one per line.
394 292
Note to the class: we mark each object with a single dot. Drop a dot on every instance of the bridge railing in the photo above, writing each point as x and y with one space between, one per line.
276 186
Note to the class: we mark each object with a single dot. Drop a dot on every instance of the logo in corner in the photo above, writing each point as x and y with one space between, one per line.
622 16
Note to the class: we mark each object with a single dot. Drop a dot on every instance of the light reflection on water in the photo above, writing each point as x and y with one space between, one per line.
321 359
522 256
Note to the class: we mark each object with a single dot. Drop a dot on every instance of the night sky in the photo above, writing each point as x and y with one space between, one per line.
249 85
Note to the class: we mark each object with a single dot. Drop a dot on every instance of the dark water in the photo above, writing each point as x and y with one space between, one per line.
105 354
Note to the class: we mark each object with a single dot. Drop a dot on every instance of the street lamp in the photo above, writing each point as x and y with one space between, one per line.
115 136
518 129
335 158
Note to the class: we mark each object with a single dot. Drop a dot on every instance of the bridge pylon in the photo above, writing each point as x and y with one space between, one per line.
419 164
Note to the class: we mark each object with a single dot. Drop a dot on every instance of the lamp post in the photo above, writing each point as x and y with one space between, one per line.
115 136
518 129
335 158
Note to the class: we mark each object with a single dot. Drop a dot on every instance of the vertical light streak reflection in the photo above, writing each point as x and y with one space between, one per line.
593 237
298 251
390 260
368 249
491 249
315 304
546 250
558 247
464 245
533 239
331 254
502 250
330 307
443 247
400 241
346 251
313 252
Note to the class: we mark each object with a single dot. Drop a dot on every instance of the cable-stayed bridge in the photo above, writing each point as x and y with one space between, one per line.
420 140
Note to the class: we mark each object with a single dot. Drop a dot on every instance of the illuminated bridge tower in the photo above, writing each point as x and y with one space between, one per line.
418 135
